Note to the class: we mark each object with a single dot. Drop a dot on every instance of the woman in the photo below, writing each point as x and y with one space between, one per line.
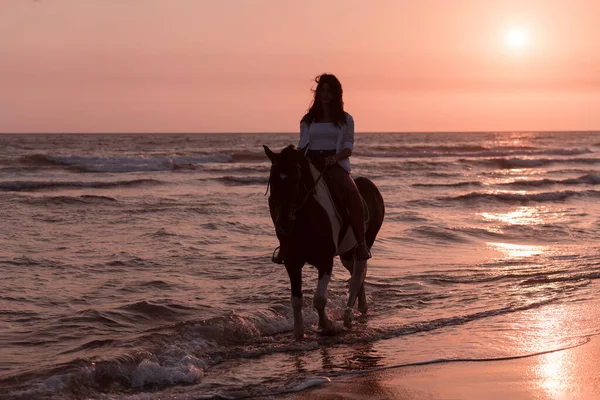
329 133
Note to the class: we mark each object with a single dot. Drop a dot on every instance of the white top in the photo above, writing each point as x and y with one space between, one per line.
327 136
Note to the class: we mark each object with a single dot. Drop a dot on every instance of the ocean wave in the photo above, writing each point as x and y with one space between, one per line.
528 277
89 318
161 234
249 156
589 179
432 148
511 163
94 197
408 216
153 310
91 379
402 167
437 234
124 164
449 185
525 231
24 186
443 174
29 262
244 180
544 279
238 168
465 151
571 171
521 197
74 200
180 354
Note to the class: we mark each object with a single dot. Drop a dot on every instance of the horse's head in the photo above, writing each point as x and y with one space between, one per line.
287 188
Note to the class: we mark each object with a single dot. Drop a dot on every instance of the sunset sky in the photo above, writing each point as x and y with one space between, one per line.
248 65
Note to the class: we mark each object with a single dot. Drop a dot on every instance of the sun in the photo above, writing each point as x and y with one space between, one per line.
517 38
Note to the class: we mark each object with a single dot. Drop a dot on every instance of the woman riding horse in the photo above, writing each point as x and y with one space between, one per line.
328 132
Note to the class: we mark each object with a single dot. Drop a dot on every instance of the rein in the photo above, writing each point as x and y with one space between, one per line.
308 193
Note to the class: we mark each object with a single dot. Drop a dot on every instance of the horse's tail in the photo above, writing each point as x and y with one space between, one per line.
376 206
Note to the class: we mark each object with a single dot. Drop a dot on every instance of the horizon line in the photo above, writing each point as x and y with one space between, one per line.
295 133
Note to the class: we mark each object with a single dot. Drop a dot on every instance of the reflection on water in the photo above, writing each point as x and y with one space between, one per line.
364 357
545 328
516 250
520 216
327 362
555 374
299 364
554 370
560 374
359 356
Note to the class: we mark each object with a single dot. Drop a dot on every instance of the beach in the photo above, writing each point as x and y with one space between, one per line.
565 374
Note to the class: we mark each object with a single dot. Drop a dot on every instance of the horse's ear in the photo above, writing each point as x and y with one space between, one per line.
272 156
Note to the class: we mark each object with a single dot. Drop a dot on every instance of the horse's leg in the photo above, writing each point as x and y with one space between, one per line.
356 284
363 307
295 273
320 299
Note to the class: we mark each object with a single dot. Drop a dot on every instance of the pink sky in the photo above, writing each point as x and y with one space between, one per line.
248 65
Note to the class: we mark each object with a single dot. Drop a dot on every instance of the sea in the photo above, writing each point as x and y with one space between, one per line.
139 266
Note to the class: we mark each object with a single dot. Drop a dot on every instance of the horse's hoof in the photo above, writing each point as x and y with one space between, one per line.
298 336
363 309
348 315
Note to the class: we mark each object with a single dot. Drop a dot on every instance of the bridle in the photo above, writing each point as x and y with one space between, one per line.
307 194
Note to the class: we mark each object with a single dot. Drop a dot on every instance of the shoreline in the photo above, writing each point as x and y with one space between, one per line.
569 373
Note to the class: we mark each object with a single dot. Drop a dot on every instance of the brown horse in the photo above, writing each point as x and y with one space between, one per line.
304 229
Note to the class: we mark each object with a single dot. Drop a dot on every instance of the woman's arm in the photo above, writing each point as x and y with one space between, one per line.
347 140
348 133
337 157
304 136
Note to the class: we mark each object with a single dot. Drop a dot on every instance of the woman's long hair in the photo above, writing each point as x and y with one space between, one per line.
336 107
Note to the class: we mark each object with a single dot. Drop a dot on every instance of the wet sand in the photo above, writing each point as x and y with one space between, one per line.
565 374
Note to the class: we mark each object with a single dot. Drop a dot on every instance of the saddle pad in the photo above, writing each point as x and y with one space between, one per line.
323 197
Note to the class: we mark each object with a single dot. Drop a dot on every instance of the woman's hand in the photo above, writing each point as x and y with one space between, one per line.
330 160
